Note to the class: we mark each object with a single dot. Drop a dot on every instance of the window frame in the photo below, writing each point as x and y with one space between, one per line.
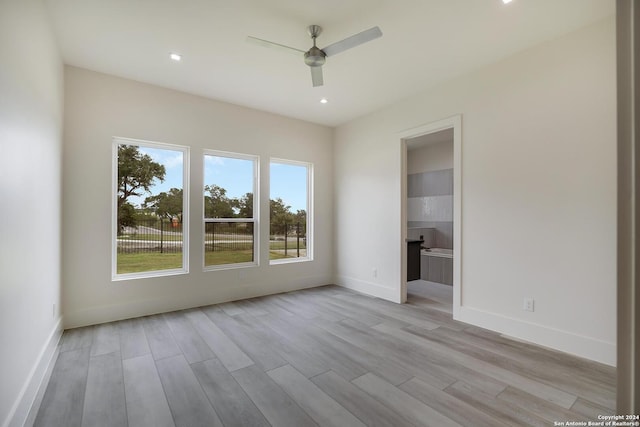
186 152
310 210
256 211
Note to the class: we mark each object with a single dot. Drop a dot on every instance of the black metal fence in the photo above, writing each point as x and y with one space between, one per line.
165 236
288 239
151 235
228 236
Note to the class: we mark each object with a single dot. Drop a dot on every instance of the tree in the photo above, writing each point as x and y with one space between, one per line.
280 215
165 204
136 174
217 204
301 218
126 216
245 206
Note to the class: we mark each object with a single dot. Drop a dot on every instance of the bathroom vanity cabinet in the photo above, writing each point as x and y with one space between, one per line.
413 259
437 269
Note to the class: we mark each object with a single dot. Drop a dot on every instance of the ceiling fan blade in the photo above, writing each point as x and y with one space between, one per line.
316 76
353 41
272 45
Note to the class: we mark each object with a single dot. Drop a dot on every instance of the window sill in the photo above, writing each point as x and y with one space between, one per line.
148 274
230 266
289 260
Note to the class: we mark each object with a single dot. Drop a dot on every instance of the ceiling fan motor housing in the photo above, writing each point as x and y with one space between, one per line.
314 57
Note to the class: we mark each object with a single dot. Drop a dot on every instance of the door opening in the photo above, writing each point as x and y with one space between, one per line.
431 214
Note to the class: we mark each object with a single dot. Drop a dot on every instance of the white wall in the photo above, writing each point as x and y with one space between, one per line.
432 157
98 107
538 193
31 88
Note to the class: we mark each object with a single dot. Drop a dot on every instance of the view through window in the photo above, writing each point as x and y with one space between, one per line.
289 199
229 210
150 209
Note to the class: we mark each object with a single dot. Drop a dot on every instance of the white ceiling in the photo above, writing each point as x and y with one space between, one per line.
424 42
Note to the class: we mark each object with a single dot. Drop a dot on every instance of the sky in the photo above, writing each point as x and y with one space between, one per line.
289 182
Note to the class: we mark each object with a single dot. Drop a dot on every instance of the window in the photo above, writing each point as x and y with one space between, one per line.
150 209
290 225
230 225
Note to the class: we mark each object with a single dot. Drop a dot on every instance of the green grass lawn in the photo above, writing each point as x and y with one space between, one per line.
227 257
291 245
155 261
148 261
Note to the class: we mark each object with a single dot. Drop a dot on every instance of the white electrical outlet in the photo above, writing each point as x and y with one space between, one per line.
375 273
528 304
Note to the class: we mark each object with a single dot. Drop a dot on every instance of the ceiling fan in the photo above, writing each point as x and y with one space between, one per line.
316 57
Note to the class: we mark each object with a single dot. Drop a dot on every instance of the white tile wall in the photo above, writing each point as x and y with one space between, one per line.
434 208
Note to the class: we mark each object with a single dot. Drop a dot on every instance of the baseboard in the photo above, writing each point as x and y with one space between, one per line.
130 309
369 288
23 405
567 342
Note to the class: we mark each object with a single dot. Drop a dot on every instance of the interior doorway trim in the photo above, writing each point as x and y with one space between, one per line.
455 123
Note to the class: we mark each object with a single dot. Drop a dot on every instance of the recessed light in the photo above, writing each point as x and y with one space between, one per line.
175 56
323 101
506 1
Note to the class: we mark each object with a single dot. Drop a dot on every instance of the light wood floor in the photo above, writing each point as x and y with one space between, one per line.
325 356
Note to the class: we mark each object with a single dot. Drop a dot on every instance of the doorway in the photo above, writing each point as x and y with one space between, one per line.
431 209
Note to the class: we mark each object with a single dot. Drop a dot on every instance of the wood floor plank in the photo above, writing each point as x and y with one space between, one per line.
249 339
187 401
192 345
231 356
146 402
409 312
523 364
106 339
63 399
231 308
104 402
133 340
438 295
231 403
306 340
439 371
159 337
350 311
322 408
285 303
458 410
589 409
598 372
307 308
359 403
364 361
73 339
364 338
389 309
277 407
533 387
411 408
544 408
506 412
328 311
408 363
269 306
430 304
252 306
289 350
